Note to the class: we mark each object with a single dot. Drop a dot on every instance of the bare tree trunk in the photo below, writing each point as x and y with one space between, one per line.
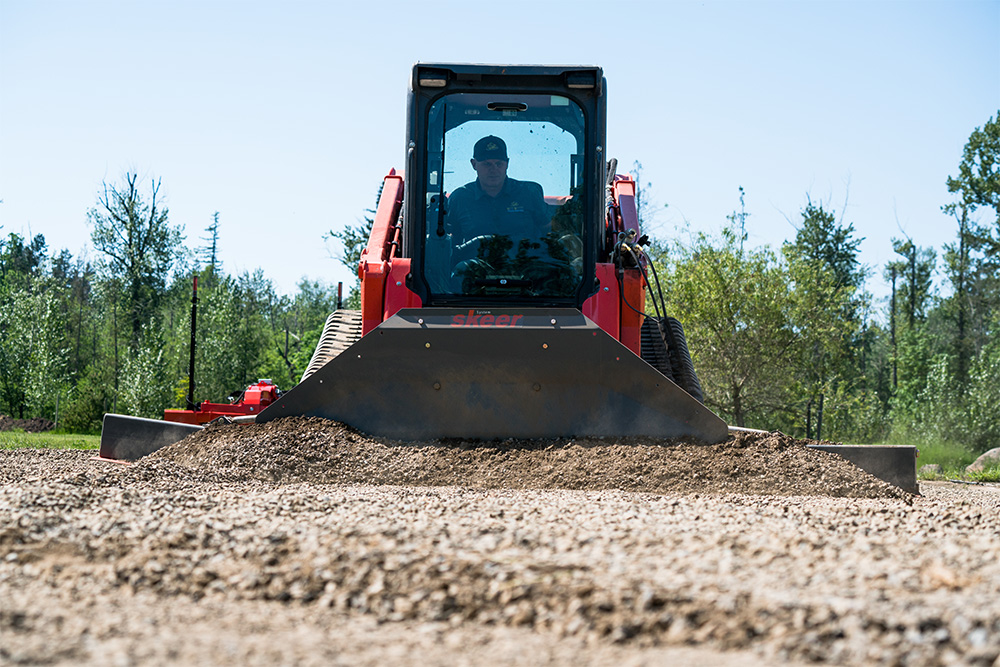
892 331
79 334
114 326
913 285
963 250
738 416
819 419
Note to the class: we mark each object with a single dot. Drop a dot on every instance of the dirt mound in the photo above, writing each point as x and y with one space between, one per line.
27 425
301 449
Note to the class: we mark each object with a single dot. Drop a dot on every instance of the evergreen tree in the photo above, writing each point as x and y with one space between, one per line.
978 182
972 262
209 253
827 297
916 270
20 261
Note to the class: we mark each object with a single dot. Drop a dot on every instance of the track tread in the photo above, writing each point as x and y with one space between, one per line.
342 329
654 352
673 358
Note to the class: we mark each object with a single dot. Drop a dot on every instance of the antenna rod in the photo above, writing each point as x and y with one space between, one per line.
194 320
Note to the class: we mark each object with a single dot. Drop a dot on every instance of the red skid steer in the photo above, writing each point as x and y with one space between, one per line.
504 285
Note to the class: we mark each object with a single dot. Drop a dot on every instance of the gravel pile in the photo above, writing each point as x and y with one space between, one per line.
303 449
505 552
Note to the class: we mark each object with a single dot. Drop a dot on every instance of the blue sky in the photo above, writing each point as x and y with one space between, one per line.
284 117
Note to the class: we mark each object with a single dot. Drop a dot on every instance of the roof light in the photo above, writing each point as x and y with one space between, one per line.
584 79
432 78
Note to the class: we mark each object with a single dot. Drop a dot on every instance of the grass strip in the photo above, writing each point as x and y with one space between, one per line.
22 440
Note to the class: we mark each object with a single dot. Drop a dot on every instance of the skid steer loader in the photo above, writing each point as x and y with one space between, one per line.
485 314
503 287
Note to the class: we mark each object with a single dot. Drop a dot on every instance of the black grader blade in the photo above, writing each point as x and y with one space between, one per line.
125 438
434 373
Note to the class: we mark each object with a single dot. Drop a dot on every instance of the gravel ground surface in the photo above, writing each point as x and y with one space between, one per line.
304 542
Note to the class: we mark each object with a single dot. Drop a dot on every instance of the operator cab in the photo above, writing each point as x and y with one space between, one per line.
501 202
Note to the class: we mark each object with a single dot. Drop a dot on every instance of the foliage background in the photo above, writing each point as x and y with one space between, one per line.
783 338
792 340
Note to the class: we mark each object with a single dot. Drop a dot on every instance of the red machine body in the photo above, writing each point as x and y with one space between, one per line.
503 288
251 401
383 271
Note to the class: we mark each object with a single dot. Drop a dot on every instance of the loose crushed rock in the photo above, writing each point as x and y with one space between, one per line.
304 542
308 449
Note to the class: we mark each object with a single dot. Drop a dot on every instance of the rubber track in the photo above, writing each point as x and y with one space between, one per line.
674 359
654 352
342 329
681 360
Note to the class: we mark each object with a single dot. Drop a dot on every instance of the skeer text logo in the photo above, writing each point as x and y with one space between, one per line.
485 319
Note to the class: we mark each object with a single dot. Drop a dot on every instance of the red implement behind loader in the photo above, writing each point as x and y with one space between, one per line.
126 438
250 401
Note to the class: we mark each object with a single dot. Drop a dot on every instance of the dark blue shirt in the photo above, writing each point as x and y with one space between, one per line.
518 211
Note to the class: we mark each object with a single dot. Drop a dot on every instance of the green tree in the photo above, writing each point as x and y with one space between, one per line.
916 269
298 326
970 270
912 344
88 400
145 384
139 245
73 281
872 419
234 334
823 241
21 261
949 368
972 262
978 181
738 221
32 338
737 317
984 397
827 300
209 253
32 354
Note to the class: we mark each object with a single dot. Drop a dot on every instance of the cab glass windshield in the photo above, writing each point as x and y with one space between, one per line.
504 209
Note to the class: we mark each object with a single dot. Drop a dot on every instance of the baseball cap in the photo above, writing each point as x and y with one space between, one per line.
490 148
